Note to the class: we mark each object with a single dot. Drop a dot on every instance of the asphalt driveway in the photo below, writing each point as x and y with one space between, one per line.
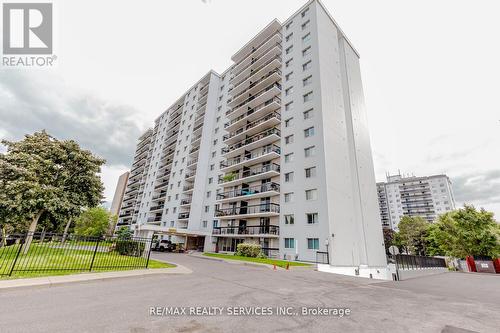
450 302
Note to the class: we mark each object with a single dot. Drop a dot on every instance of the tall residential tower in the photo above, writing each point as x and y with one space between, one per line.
275 151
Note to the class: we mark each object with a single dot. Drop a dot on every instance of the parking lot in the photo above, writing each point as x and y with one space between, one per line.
449 302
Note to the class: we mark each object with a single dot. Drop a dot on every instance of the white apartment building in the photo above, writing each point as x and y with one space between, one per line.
275 150
427 196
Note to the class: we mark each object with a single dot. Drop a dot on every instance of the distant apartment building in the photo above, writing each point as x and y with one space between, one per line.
121 186
427 196
275 151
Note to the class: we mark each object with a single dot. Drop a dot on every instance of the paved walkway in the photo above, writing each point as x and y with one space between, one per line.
123 305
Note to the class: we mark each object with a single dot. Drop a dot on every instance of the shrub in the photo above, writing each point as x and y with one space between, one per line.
129 248
248 250
262 256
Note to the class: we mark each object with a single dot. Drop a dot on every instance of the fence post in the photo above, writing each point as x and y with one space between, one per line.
95 252
149 252
21 243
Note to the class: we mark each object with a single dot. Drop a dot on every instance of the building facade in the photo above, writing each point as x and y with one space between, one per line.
275 150
427 196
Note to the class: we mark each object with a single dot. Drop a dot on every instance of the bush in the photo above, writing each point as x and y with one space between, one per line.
262 256
248 250
129 248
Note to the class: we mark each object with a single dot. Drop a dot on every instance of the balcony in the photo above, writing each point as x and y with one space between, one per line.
261 210
271 33
183 216
257 59
271 105
159 207
248 176
257 230
154 219
255 100
265 154
249 129
188 188
186 201
192 162
162 184
263 138
257 83
254 192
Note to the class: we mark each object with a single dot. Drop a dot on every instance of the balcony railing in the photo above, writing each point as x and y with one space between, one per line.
256 59
191 162
247 230
252 139
248 173
253 84
183 215
186 201
237 160
257 95
188 188
156 207
253 110
154 219
252 125
248 210
249 191
235 85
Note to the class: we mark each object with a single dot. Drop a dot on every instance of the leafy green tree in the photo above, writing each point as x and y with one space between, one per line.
42 175
124 233
412 234
466 232
93 222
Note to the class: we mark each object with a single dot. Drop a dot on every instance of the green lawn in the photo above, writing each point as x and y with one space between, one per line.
48 260
279 263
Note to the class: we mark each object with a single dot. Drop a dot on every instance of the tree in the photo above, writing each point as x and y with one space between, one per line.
124 233
466 232
42 175
93 222
412 234
389 235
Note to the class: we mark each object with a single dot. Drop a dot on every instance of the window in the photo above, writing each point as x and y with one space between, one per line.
204 224
289 76
312 218
309 132
310 172
288 122
289 106
210 180
305 24
288 91
311 194
289 25
289 243
306 38
289 62
307 65
289 219
306 51
289 49
307 81
289 139
288 158
207 209
208 194
307 97
313 244
288 37
289 197
308 114
304 13
289 177
212 166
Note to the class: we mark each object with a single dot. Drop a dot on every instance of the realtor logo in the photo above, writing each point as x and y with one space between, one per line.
27 28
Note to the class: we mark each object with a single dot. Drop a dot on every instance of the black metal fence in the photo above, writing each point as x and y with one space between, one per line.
43 252
271 252
406 261
322 257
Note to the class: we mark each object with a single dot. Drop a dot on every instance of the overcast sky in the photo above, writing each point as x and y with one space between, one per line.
431 72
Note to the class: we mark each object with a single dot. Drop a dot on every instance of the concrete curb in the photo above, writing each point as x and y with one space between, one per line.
83 277
247 263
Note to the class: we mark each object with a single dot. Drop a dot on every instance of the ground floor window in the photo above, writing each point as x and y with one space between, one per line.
229 244
313 243
289 243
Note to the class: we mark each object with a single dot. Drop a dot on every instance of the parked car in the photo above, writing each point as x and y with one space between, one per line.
164 245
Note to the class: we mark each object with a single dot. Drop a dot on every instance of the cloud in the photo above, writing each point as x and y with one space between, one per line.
479 188
32 101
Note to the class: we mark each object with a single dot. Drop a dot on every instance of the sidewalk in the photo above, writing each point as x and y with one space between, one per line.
62 279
